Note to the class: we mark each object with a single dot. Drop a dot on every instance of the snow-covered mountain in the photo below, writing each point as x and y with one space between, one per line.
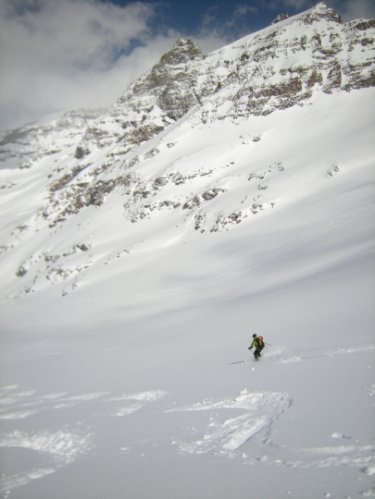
135 157
221 195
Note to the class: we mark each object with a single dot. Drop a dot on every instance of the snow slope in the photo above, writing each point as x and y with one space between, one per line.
124 364
142 374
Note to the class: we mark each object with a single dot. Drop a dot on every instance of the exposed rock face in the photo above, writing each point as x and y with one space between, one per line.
177 79
280 66
280 17
171 64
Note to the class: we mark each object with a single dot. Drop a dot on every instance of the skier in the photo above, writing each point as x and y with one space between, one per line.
258 344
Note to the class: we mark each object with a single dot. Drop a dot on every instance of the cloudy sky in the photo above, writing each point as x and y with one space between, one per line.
67 54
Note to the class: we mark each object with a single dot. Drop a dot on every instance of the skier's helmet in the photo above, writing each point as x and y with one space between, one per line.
254 335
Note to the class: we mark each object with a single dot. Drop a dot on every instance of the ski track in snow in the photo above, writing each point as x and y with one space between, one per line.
332 353
359 456
226 434
281 355
223 435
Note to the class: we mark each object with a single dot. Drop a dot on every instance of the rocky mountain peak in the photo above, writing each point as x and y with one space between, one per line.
172 66
280 17
184 50
321 11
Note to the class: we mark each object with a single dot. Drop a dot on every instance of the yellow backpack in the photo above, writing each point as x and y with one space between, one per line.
260 341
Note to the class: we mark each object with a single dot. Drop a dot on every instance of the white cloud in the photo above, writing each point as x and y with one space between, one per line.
73 53
356 9
243 10
53 53
297 4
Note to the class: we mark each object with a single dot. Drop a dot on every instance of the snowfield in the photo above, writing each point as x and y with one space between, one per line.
138 383
125 371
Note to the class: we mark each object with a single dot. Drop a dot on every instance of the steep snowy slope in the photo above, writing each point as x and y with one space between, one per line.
204 180
222 195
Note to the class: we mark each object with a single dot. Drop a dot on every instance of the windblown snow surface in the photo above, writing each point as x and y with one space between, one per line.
136 381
